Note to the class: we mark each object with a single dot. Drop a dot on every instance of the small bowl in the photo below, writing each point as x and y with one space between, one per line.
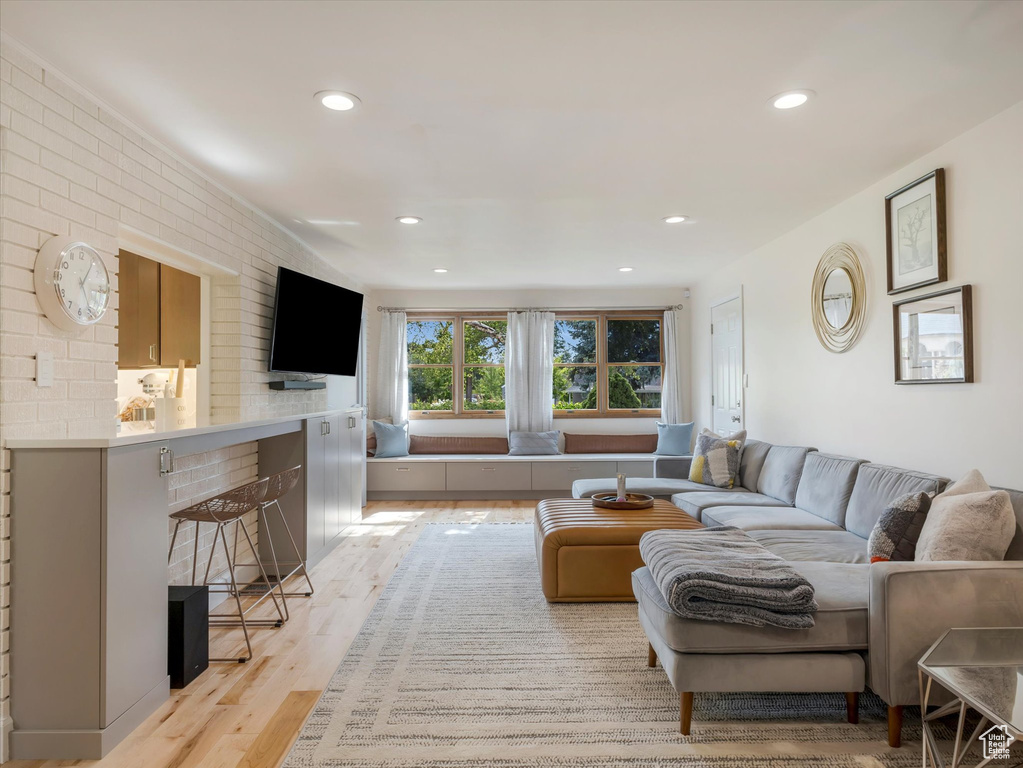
632 501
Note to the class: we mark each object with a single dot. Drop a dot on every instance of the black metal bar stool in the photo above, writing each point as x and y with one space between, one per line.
222 510
278 486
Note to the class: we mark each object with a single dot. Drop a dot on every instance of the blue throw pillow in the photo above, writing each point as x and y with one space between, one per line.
674 439
392 439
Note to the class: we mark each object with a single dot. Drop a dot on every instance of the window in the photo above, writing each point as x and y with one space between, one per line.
605 364
456 365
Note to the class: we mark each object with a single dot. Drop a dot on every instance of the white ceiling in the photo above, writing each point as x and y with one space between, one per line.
541 142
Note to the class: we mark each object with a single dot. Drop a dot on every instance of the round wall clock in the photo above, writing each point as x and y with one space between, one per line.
72 284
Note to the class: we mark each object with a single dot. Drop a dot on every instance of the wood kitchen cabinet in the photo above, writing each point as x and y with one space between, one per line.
158 315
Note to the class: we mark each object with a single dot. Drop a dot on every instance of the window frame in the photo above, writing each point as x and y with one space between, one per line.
603 410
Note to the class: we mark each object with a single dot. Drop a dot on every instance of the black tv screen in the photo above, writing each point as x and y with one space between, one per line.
316 326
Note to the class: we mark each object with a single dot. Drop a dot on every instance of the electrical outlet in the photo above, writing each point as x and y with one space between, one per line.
44 369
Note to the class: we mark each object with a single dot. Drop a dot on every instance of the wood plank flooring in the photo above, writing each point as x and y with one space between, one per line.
248 715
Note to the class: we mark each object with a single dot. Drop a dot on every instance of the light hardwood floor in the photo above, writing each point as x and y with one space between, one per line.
249 714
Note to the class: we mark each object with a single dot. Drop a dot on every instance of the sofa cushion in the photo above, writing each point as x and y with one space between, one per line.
877 486
658 487
610 443
754 452
814 546
767 519
460 444
696 503
839 624
826 484
781 472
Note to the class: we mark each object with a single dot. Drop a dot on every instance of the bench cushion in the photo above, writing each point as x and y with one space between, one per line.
696 503
767 518
456 445
814 546
840 623
575 443
658 487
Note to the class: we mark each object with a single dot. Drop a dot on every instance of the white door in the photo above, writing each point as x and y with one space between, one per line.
726 359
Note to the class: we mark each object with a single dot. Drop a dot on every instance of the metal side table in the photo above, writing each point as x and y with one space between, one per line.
982 669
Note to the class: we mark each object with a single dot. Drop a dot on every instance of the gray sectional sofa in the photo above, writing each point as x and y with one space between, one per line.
875 620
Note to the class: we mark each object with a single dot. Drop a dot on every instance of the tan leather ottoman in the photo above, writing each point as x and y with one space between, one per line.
587 554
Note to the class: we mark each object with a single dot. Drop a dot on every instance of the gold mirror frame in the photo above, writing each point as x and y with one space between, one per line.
839 256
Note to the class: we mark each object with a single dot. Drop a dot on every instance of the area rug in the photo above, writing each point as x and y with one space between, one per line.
463 663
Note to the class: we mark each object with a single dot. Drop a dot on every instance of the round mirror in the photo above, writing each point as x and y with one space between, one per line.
837 298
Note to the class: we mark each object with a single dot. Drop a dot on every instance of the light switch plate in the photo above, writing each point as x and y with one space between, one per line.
44 369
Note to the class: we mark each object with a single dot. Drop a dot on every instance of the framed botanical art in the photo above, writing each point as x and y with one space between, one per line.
915 226
934 338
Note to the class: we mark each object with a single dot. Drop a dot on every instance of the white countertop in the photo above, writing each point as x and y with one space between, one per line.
136 438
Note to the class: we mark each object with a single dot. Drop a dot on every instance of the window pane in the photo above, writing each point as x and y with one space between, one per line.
575 341
634 386
430 341
575 388
634 341
484 389
429 389
484 341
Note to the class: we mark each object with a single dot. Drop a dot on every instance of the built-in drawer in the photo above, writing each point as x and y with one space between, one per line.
488 476
410 476
559 475
637 468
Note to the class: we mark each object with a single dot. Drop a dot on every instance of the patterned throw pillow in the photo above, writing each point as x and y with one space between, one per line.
716 459
533 443
897 529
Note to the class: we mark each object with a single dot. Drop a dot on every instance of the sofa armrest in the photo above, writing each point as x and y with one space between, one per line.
912 604
675 467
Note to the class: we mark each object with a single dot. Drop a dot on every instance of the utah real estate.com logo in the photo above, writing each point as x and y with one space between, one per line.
996 741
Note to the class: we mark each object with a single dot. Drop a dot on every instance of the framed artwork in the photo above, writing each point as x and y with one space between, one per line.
915 225
934 338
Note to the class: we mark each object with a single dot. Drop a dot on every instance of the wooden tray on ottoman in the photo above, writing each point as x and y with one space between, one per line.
587 554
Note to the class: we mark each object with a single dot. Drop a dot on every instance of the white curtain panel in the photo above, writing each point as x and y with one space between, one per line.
529 372
390 387
671 392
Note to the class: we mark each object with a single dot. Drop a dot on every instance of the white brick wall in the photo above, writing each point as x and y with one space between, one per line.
68 167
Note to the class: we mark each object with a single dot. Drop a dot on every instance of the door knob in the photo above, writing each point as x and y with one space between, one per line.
736 419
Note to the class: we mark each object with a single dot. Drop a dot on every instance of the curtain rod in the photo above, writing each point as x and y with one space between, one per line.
527 309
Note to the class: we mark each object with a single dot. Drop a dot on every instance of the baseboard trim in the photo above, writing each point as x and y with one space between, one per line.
464 495
87 744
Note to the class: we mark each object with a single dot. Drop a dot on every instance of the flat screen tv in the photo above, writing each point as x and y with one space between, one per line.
316 326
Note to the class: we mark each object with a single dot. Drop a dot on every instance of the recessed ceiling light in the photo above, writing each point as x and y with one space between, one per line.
339 101
440 270
675 219
409 219
624 269
790 99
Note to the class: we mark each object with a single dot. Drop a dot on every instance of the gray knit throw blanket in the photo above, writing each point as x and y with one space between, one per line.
722 574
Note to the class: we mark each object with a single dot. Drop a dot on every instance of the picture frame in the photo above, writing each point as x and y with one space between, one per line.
933 337
915 233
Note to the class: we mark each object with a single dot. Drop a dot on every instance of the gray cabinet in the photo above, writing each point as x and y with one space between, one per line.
323 464
355 460
89 613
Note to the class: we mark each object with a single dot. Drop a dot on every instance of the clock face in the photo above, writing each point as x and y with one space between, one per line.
81 283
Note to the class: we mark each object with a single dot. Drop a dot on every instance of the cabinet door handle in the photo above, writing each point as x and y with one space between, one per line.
166 462
328 427
488 469
152 352
402 469
351 422
574 469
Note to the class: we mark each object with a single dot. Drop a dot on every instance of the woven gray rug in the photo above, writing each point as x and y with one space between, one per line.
463 663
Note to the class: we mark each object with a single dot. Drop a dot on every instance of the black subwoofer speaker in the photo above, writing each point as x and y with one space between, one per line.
188 647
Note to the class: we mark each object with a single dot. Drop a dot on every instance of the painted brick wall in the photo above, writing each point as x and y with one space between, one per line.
69 167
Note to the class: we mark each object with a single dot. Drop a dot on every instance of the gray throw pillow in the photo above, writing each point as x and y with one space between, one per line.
968 521
897 529
392 439
533 443
716 459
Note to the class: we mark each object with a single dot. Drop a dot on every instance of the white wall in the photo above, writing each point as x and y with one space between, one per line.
534 297
848 403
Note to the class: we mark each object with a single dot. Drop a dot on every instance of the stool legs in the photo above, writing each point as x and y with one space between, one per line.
294 548
234 590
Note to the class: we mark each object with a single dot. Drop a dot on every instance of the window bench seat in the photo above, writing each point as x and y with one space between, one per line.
495 476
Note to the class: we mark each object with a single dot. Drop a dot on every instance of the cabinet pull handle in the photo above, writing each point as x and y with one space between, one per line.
488 469
152 352
574 469
402 469
351 422
328 426
166 461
